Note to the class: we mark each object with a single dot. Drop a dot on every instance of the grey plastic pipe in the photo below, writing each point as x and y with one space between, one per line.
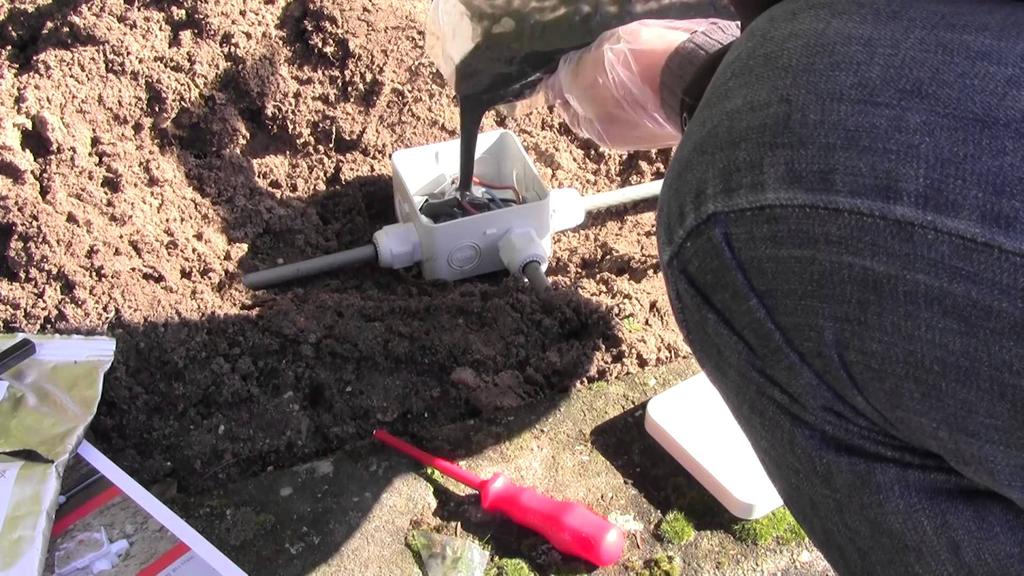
535 275
367 254
346 258
626 195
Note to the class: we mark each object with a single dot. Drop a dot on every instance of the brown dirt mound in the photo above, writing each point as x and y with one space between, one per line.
151 151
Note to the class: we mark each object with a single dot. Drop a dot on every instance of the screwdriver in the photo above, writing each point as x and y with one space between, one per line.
570 527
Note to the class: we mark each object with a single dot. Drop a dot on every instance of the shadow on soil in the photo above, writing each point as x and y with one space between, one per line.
217 142
248 520
46 26
310 370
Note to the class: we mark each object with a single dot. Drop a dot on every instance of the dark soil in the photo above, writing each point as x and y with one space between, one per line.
152 151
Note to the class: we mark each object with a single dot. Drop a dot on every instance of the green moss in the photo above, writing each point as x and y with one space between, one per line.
218 504
432 475
600 385
414 541
632 325
661 565
779 526
265 521
676 528
509 567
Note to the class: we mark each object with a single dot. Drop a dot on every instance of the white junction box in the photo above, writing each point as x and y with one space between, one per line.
468 246
693 423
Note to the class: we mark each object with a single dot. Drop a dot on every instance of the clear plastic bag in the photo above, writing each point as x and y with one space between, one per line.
616 90
446 556
46 403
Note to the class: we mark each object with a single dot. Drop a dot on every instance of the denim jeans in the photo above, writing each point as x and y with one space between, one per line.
842 237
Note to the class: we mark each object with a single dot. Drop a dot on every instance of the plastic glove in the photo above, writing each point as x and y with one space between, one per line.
611 91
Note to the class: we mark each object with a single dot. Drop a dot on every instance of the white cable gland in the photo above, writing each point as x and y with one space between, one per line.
398 245
519 247
89 552
567 211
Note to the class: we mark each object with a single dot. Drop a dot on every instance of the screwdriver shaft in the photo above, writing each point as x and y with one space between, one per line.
449 469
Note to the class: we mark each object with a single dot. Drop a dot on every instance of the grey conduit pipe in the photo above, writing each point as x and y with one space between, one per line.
535 275
345 259
368 254
626 195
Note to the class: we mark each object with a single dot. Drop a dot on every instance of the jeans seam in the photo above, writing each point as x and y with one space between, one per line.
784 340
877 418
854 212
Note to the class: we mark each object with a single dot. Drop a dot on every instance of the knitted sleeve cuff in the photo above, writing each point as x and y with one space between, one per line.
682 65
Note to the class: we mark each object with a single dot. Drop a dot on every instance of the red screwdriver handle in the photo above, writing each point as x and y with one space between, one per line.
571 528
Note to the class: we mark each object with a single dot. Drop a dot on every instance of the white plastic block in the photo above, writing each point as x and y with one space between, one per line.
566 209
468 246
693 423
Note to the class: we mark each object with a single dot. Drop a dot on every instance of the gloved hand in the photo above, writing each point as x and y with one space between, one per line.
623 91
